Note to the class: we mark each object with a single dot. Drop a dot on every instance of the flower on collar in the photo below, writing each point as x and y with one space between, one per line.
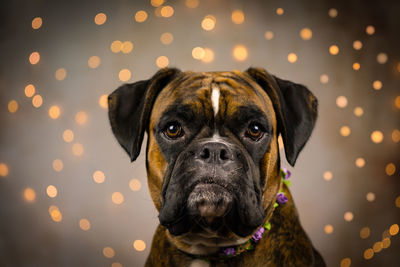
281 198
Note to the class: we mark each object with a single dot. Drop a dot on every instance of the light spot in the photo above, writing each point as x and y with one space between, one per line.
377 137
198 53
55 213
37 101
386 242
100 18
390 169
346 262
135 185
360 162
81 117
94 62
356 66
116 264
348 216
328 229
358 111
208 55
292 57
240 52
382 58
68 136
29 195
108 252
103 101
117 198
162 62
397 102
397 202
345 131
280 11
3 169
126 47
306 34
333 12
328 176
139 245
365 232
370 30
29 90
51 191
192 3
368 253
116 46
60 74
334 49
84 224
124 75
215 99
357 45
237 16
167 11
12 106
269 35
58 165
34 58
141 16
156 3
324 78
37 23
77 149
54 112
370 197
208 23
378 246
341 101
99 177
377 85
166 38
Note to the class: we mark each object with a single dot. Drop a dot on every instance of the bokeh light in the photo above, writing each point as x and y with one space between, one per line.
208 55
360 162
156 3
99 177
29 195
162 61
68 136
100 18
94 62
333 12
108 252
198 52
141 16
306 34
117 198
370 196
116 46
58 165
357 45
346 262
382 58
377 85
34 58
135 185
365 232
192 3
126 47
208 23
334 50
345 131
377 137
166 38
60 74
280 11
124 75
240 52
81 117
167 11
328 229
356 66
37 101
139 245
51 191
292 57
54 112
370 30
29 90
237 16
368 253
3 169
77 149
269 35
341 101
390 169
358 111
12 106
348 216
324 78
37 23
103 101
328 175
84 224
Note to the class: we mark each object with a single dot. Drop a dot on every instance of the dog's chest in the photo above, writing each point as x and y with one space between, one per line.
199 263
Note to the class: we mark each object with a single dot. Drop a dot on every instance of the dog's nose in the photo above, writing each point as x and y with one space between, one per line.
214 152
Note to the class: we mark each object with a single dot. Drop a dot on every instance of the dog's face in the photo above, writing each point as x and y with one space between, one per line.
212 151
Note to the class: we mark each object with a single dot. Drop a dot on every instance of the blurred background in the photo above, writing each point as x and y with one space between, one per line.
69 195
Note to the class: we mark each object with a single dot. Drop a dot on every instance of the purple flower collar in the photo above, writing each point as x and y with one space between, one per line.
281 199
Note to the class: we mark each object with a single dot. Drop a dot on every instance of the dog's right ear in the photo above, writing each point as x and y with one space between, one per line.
129 109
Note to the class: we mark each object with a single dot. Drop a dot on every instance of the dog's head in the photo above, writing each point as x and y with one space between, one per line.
212 150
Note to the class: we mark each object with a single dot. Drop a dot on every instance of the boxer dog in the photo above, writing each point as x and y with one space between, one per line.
213 164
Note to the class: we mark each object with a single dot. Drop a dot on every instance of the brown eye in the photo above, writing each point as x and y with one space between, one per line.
173 130
254 131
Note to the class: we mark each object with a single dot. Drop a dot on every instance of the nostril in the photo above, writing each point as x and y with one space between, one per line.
205 154
223 154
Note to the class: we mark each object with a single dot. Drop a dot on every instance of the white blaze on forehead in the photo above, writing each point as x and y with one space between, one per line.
215 99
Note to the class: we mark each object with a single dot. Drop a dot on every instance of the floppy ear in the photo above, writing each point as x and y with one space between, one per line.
295 107
129 109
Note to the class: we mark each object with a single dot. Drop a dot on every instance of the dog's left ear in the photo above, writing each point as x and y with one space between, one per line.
295 107
129 109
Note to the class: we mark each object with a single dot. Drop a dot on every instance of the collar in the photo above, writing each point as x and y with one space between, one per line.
229 252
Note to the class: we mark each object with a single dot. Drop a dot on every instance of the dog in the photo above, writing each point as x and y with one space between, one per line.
213 164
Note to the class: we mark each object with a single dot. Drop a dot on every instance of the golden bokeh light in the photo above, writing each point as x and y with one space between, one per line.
139 245
100 18
365 232
135 185
208 23
370 30
341 101
198 53
34 58
58 165
37 101
117 198
77 149
37 23
377 85
208 55
81 117
386 234
126 47
103 101
358 111
397 102
99 177
240 52
60 74
345 131
51 191
55 213
324 78
54 112
292 57
29 195
166 38
346 262
269 35
124 75
156 3
12 106
356 66
396 135
280 11
334 50
94 62
378 246
68 136
108 252
116 46
3 169
370 197
348 216
84 224
306 34
162 61
357 45
386 242
141 16
390 169
360 162
167 11
368 253
333 12
29 90
192 3
328 229
237 16
377 137
116 264
328 175
157 11
382 58
397 202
